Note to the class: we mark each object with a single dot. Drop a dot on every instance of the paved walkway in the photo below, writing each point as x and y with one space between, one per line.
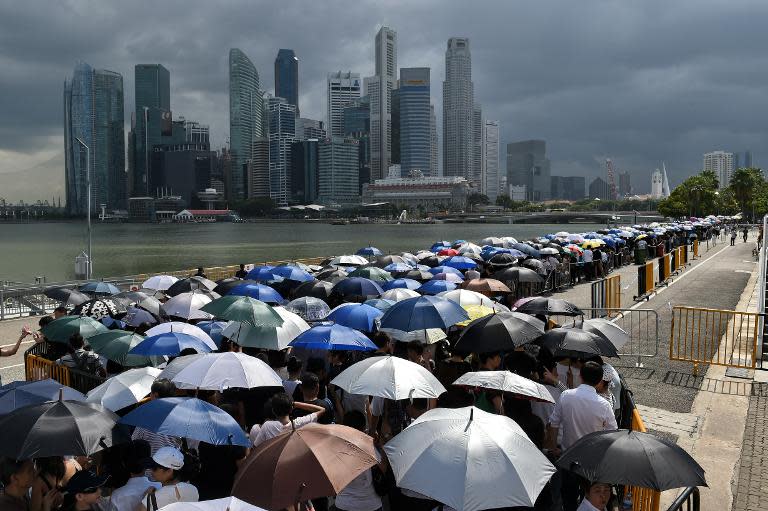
751 485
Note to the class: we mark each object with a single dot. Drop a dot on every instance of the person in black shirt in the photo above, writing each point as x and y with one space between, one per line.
241 273
309 389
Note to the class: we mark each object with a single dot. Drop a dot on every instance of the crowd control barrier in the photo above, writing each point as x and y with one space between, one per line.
606 296
645 283
39 364
665 268
695 248
689 500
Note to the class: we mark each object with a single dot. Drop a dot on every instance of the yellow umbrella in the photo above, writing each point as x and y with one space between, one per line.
475 312
592 244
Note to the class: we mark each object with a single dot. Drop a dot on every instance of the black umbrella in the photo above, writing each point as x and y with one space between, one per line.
502 260
145 300
431 261
332 275
421 276
502 331
156 294
574 342
223 286
68 296
535 265
190 284
316 288
516 274
100 308
632 458
59 428
386 260
549 306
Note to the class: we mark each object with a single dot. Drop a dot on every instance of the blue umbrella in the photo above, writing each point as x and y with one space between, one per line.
333 337
169 343
355 315
450 277
401 283
99 288
357 286
188 417
292 273
17 394
258 291
395 267
114 323
380 303
457 243
214 329
423 313
432 287
460 263
445 269
439 245
369 251
263 272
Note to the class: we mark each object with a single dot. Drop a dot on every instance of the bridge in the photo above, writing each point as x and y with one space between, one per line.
557 217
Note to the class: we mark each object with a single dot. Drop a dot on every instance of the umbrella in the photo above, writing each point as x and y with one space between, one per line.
401 284
492 241
380 303
355 315
460 262
503 331
58 428
372 273
415 274
348 260
258 291
171 344
316 289
398 267
135 317
434 287
389 377
516 274
225 504
449 277
220 371
439 245
124 389
333 337
187 306
243 309
573 342
475 312
506 381
268 337
604 328
422 313
490 286
368 251
263 272
309 308
66 295
292 273
190 284
140 299
484 460
214 329
332 275
19 394
186 328
224 286
159 282
545 306
114 345
465 297
60 330
384 261
448 252
357 286
314 461
399 294
428 336
188 417
535 265
632 458
445 269
549 251
100 308
99 288
502 260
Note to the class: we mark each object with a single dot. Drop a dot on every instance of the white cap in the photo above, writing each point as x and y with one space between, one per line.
169 457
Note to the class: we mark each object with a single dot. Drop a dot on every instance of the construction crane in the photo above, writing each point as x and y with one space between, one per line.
613 195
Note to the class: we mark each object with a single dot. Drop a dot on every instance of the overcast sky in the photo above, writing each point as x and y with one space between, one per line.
639 82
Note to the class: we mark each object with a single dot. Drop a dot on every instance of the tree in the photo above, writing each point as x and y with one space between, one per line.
696 196
746 184
259 206
505 201
477 198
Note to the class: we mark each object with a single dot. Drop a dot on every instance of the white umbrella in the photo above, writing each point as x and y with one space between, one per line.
399 293
492 241
562 234
348 260
508 241
269 338
124 389
469 459
159 282
187 306
506 381
184 328
465 297
219 371
389 377
428 336
225 504
470 248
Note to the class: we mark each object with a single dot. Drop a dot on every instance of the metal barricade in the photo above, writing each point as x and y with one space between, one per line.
665 268
645 283
695 249
606 294
713 336
39 368
689 500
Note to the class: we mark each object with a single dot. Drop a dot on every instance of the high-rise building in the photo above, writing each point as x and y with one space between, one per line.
529 167
338 171
357 117
282 133
599 189
153 120
287 77
304 165
475 173
394 134
343 88
625 184
246 119
433 172
567 187
742 160
309 128
415 120
721 163
379 89
458 111
490 160
94 113
657 184
258 170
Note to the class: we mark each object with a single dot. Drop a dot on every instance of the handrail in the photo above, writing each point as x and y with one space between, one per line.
761 290
689 498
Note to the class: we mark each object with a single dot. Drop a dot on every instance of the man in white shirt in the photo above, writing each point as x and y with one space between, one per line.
588 259
130 496
282 405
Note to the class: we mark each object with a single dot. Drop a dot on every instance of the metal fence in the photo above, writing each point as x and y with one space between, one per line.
40 364
606 295
689 500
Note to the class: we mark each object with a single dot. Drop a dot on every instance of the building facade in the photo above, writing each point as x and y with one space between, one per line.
304 172
282 133
722 164
287 77
343 88
567 187
309 128
528 165
152 120
415 120
246 119
625 184
599 189
338 171
458 111
258 170
433 168
490 160
379 89
429 193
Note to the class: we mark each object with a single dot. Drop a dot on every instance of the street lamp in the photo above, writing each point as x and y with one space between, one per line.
88 180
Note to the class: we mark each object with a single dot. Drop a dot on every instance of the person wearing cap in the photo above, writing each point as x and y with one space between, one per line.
137 459
166 469
83 491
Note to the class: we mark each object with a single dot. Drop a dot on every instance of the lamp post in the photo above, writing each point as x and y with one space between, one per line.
88 181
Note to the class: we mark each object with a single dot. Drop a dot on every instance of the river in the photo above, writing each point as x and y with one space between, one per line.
49 249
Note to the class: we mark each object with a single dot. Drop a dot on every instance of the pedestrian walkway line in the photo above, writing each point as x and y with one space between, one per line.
11 367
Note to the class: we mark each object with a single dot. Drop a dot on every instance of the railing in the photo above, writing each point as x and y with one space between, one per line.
645 282
761 285
689 500
605 295
40 364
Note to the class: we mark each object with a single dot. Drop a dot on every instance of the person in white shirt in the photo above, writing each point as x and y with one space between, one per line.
282 405
167 464
294 371
588 259
359 494
596 497
129 497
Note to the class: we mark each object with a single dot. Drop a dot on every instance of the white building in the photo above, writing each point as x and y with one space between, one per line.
458 110
379 89
342 89
430 193
656 184
489 180
721 163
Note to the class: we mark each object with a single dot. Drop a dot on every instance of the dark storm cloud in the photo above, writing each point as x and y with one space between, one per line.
639 82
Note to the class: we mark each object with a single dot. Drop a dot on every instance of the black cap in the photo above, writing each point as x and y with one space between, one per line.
85 481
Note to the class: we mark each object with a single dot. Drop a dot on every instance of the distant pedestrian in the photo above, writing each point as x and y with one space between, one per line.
746 233
241 273
201 273
733 237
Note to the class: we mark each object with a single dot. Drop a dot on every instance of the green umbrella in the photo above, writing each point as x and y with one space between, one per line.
243 309
60 330
114 345
373 273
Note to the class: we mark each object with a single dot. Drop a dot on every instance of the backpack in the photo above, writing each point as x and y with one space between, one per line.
86 361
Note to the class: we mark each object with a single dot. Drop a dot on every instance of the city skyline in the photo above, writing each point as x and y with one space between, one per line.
636 125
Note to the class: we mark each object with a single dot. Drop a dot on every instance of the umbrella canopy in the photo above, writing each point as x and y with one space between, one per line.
380 303
465 297
258 291
368 251
188 417
355 315
141 299
220 371
516 274
348 260
59 428
357 286
399 294
503 331
372 273
507 469
384 261
171 344
100 308
224 286
243 309
316 289
604 328
398 267
428 336
389 377
309 308
492 241
549 251
60 330
434 287
502 260
314 461
260 273
19 394
99 288
66 295
293 273
114 345
124 389
159 282
214 329
460 262
225 504
535 265
448 252
449 277
445 269
333 337
422 313
487 286
573 342
186 328
187 306
401 284
135 317
506 381
332 275
415 274
268 337
547 306
190 284
632 458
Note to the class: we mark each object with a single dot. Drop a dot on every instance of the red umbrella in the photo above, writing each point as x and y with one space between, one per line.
448 252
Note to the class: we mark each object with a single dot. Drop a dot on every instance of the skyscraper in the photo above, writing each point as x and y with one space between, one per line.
343 88
282 133
246 119
309 128
304 163
338 171
625 184
458 110
415 120
490 163
599 189
379 88
287 77
475 173
153 120
529 167
721 163
433 142
94 113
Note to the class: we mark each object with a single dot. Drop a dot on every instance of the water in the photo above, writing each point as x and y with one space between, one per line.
31 250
